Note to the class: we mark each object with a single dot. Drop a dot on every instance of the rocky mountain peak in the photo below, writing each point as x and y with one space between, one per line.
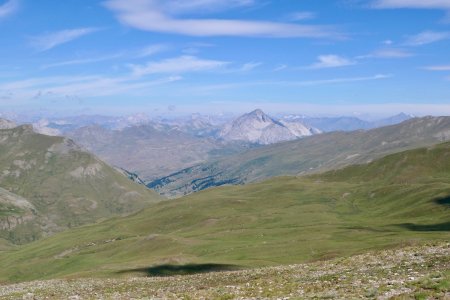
257 127
259 115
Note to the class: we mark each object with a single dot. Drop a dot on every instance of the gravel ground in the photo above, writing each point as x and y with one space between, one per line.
415 272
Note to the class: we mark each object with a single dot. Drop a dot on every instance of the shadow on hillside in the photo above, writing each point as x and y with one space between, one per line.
443 201
430 227
189 269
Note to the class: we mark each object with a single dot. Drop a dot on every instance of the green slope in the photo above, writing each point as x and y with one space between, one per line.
400 199
313 154
49 184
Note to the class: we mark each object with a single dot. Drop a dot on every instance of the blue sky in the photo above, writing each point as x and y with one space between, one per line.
177 56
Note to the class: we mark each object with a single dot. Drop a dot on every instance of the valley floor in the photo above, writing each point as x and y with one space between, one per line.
412 272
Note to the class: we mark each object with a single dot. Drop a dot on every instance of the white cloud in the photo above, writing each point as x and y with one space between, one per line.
183 6
250 66
302 16
419 4
427 37
280 67
150 15
152 50
195 48
225 86
8 8
438 68
51 40
82 61
331 61
178 65
80 86
337 80
387 53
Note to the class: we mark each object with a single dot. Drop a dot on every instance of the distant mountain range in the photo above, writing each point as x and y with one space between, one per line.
214 125
48 184
310 154
151 150
329 124
155 148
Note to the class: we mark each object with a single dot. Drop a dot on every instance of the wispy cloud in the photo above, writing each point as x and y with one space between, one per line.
339 80
280 67
8 8
250 66
225 86
195 48
150 15
420 4
183 6
153 49
302 16
178 65
82 61
387 53
331 61
51 40
80 86
438 68
427 37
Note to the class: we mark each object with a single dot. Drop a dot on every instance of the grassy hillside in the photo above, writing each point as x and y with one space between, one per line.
48 184
397 200
313 154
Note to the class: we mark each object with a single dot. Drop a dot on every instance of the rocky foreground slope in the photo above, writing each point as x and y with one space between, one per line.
413 272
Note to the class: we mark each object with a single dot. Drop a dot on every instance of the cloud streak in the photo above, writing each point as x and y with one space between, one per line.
250 66
51 40
280 67
178 65
80 86
305 83
153 49
331 61
149 15
417 4
82 61
427 37
183 6
302 16
9 8
438 68
387 53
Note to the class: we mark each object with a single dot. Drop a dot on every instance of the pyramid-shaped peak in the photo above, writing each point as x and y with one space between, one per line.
260 115
258 112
